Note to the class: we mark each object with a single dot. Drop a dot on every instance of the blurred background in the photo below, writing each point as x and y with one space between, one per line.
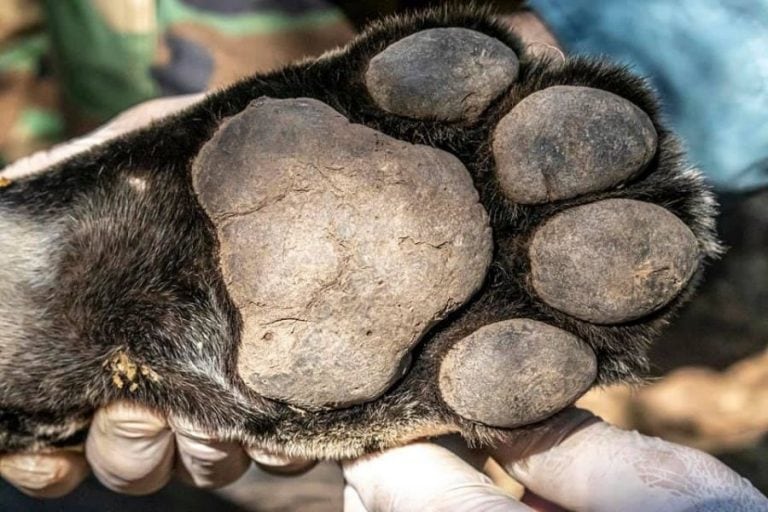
67 66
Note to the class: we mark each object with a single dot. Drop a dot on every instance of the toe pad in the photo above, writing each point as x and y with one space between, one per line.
612 261
515 372
441 73
565 141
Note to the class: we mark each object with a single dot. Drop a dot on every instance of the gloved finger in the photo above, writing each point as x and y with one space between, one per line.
479 459
133 118
44 475
205 462
424 477
603 468
279 464
130 449
352 501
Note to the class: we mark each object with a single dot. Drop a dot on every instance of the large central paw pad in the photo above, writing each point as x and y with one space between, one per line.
340 245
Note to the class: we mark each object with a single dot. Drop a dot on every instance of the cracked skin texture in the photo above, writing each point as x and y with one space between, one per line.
340 246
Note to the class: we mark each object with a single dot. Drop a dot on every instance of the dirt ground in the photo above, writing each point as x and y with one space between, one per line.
709 390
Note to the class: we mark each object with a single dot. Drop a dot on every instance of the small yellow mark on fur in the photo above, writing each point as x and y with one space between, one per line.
126 371
5 182
123 365
150 373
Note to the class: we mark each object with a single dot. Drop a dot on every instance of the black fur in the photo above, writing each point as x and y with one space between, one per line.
136 276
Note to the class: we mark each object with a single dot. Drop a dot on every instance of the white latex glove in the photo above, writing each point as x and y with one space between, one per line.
132 450
587 465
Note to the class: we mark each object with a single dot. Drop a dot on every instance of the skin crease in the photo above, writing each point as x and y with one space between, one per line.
134 451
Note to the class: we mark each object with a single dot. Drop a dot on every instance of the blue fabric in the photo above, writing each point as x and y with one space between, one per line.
707 58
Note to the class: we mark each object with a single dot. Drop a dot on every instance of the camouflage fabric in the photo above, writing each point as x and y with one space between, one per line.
66 67
28 106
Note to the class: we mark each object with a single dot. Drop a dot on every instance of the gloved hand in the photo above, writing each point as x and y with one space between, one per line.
584 464
133 450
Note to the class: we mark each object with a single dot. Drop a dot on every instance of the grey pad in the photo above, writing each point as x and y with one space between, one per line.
565 141
612 261
516 372
447 74
341 247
